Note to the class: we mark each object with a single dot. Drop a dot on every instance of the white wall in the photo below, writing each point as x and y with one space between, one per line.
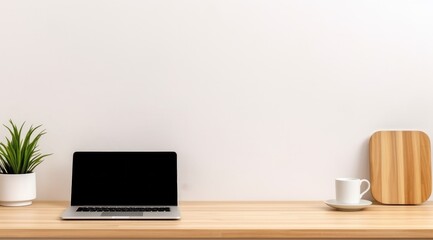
262 100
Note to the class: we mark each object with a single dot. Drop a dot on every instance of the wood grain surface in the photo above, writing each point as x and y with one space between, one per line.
400 167
250 220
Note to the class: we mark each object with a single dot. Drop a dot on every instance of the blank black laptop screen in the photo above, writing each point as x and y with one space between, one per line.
124 178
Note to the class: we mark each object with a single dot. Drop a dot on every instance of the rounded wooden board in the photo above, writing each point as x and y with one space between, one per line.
400 168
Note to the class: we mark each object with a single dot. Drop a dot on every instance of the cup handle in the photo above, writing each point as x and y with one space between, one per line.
366 190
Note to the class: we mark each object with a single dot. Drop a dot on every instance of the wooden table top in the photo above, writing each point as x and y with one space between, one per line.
228 220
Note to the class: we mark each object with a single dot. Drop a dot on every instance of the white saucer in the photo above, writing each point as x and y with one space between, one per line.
348 207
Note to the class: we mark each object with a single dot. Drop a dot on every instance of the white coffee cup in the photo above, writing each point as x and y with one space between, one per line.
347 190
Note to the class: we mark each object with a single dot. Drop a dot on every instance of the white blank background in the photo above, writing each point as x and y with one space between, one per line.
262 100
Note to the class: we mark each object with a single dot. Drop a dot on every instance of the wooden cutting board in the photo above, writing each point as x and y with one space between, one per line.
400 168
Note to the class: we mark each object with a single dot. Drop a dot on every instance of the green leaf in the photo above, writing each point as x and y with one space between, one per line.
21 155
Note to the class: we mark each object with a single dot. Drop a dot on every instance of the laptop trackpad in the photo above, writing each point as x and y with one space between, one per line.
121 214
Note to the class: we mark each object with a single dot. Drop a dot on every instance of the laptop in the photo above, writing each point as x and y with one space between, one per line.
124 185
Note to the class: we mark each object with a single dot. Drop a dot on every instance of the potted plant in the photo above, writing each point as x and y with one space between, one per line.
19 156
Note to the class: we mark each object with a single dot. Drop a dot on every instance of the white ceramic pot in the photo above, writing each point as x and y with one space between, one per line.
17 189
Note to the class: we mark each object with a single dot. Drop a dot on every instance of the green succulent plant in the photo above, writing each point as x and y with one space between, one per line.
21 155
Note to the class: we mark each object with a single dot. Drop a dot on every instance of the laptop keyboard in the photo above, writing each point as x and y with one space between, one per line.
123 209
